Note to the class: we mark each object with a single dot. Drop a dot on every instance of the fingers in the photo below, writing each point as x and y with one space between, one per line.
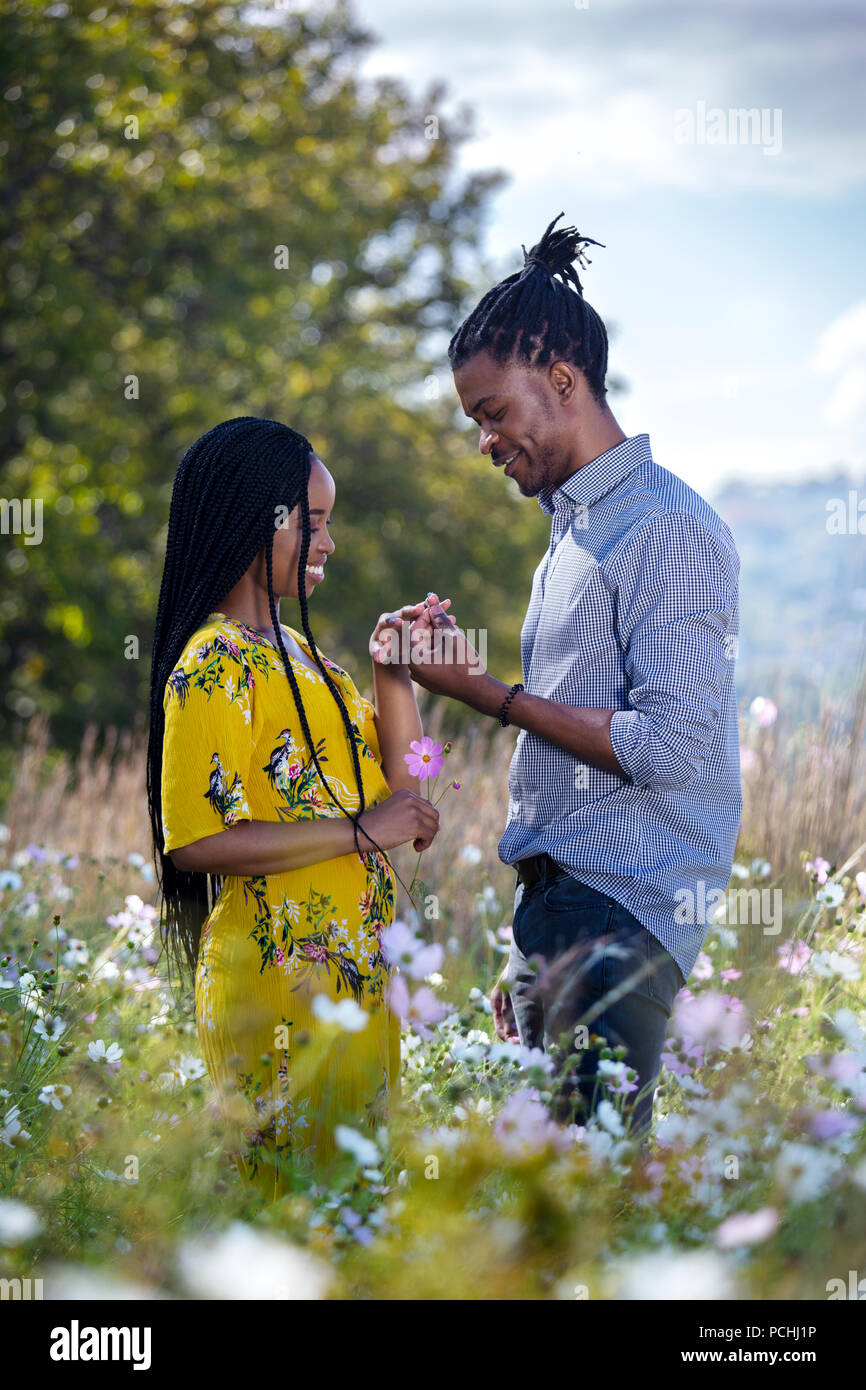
426 822
504 1022
429 613
497 999
438 616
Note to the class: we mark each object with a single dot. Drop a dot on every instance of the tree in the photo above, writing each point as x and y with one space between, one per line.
207 216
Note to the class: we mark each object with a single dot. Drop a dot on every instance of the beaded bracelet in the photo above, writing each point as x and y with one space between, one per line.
503 715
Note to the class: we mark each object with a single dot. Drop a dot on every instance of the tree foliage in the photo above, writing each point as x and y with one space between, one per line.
157 157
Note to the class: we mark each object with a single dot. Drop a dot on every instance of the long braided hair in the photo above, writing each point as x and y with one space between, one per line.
229 487
539 314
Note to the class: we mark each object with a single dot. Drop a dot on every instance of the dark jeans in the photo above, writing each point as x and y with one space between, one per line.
595 965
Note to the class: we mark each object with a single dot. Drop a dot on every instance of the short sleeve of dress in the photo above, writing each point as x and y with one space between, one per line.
207 746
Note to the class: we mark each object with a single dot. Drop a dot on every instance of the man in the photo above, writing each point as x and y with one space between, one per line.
624 788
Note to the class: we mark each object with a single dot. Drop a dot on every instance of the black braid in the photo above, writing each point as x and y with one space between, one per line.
539 314
225 497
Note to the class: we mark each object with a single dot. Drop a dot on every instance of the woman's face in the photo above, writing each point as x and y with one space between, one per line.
288 535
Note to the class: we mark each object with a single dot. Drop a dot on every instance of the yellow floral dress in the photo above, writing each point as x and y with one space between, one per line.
280 951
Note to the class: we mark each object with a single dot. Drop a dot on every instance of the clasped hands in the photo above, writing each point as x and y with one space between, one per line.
423 641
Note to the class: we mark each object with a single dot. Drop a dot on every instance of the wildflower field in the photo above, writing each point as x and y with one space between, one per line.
114 1180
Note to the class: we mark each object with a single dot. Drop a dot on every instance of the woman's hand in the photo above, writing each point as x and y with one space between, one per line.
404 816
390 643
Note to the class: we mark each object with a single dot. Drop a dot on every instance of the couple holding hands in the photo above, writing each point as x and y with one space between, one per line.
276 790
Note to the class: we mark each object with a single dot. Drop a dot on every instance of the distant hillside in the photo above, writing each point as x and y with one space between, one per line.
802 588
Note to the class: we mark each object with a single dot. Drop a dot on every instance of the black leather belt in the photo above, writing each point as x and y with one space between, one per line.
537 866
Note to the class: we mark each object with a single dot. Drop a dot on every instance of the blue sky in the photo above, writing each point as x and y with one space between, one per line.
735 277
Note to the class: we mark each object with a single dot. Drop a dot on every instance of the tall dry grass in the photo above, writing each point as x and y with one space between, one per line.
804 792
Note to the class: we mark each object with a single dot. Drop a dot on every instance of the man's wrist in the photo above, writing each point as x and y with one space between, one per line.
489 693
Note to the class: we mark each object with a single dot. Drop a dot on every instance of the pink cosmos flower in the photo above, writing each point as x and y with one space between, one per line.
730 974
828 1124
524 1126
703 967
689 1168
717 1020
418 1011
860 880
747 1228
425 759
818 866
617 1077
838 1066
682 1061
418 959
793 955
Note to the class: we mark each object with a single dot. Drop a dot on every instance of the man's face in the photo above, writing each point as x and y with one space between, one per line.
521 417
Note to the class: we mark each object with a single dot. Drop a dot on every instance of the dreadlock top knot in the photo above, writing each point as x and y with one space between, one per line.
539 318
557 251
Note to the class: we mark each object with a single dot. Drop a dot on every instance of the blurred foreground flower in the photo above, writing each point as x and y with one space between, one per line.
747 1228
715 1020
819 867
670 1274
362 1149
244 1262
793 955
524 1126
344 1012
418 1011
18 1222
763 711
400 946
829 963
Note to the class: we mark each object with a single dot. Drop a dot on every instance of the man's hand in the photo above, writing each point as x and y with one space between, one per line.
504 1022
387 642
445 662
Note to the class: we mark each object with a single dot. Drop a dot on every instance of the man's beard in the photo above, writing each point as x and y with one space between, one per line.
546 470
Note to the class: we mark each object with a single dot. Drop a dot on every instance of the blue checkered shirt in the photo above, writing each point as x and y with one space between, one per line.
634 608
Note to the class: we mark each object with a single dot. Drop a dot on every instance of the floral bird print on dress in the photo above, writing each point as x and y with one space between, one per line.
227 801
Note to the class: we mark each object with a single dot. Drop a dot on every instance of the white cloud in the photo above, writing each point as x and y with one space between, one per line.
842 352
843 341
565 91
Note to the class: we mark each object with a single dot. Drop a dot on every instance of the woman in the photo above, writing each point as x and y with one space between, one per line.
272 783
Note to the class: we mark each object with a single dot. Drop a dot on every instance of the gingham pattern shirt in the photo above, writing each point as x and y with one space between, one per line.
634 608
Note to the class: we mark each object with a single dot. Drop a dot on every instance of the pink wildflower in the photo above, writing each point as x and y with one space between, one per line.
747 1228
425 759
793 955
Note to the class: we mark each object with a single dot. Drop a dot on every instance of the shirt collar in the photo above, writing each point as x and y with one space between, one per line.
600 475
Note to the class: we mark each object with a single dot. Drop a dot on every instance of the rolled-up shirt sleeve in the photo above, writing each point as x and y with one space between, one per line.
675 591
